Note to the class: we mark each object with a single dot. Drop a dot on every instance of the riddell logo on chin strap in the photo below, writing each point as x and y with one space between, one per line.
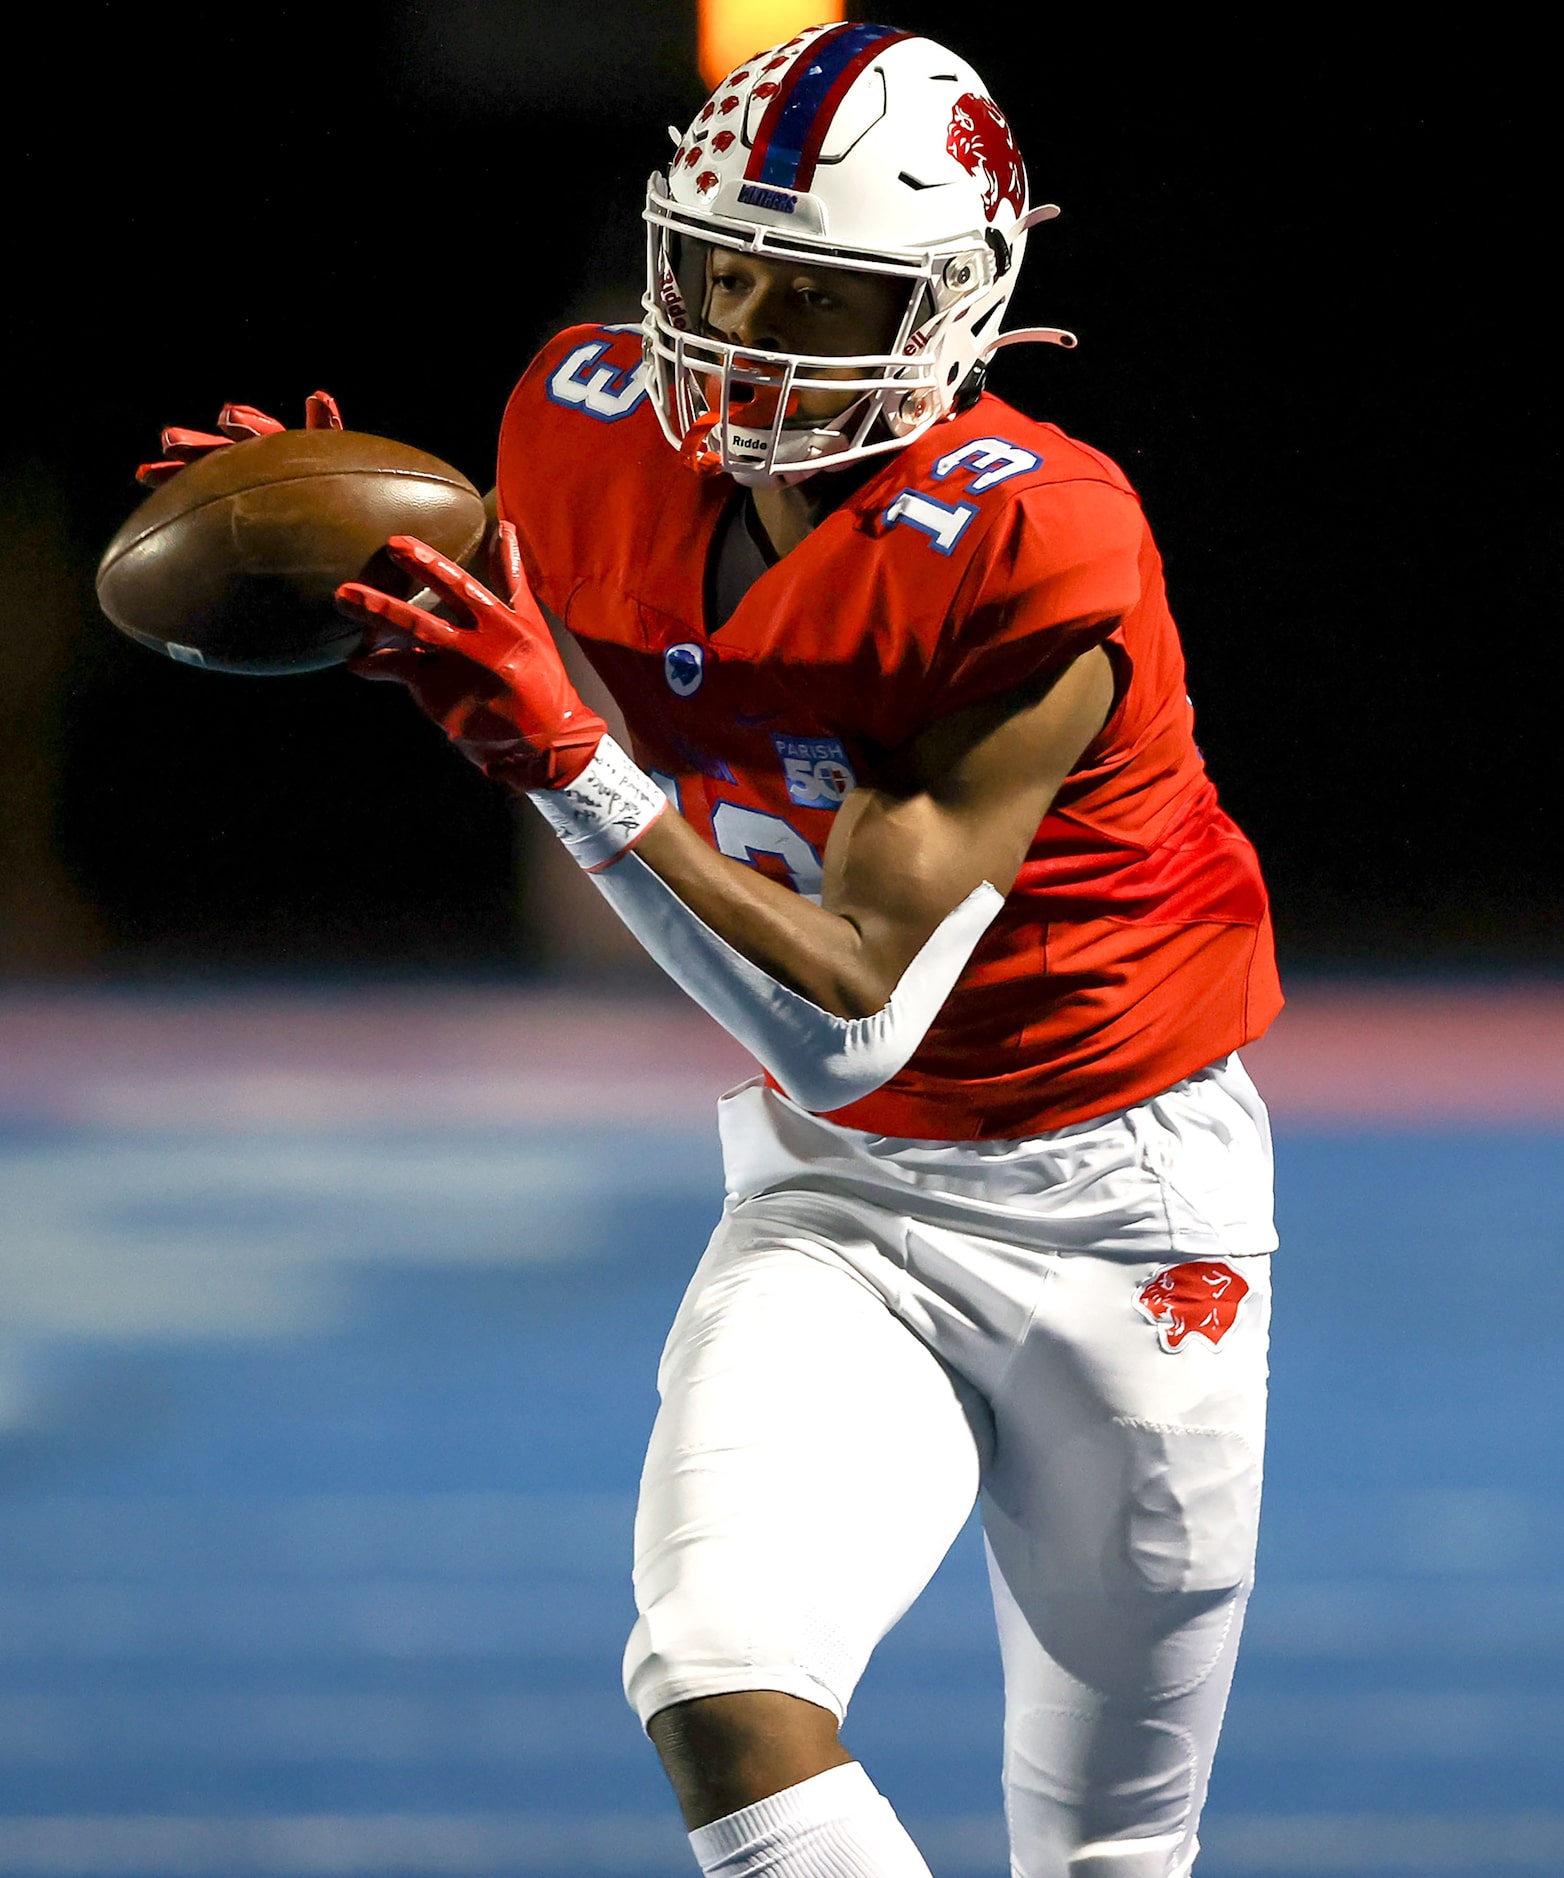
1200 1298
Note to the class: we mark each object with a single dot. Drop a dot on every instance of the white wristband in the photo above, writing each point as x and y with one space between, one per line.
608 807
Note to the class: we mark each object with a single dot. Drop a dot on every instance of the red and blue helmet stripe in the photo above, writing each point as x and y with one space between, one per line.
793 130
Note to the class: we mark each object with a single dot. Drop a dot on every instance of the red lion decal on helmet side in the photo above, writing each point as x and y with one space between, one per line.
980 141
1197 1299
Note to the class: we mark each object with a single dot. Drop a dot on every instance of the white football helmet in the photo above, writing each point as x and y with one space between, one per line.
851 146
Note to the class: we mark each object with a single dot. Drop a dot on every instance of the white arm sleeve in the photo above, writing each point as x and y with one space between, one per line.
823 1062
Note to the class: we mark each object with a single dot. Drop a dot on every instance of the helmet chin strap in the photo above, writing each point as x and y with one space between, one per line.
698 449
782 473
818 445
698 453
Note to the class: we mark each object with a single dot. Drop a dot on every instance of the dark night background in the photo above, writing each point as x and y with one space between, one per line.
1305 264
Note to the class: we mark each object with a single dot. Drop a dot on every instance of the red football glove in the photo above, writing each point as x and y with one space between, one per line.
493 681
237 422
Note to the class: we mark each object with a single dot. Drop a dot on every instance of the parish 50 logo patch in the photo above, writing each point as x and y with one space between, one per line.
818 773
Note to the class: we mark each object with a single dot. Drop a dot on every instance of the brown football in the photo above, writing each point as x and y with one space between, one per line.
232 564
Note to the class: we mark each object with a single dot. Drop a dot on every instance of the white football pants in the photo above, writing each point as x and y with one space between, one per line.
881 1330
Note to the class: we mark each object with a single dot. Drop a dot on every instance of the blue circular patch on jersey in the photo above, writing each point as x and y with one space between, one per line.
684 666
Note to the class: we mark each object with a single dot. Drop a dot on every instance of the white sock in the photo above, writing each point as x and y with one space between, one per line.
835 1825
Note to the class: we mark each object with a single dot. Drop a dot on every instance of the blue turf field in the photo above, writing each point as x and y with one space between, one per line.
317 1454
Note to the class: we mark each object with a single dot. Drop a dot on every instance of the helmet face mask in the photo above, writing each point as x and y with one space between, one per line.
769 402
854 149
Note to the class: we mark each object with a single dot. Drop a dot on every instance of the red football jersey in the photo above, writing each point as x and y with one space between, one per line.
1135 947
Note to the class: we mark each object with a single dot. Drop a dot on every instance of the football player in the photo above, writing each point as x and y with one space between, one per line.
913 807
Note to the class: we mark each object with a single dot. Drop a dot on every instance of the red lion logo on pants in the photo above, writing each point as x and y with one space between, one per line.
1200 1298
979 139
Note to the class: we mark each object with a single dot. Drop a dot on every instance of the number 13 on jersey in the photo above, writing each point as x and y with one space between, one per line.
984 461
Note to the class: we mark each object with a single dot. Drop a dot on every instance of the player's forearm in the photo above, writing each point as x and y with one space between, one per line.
823 1057
823 956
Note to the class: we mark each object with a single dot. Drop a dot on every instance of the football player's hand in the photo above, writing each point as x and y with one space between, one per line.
237 423
490 677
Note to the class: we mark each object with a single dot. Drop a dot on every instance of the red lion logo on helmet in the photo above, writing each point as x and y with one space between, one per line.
1197 1299
980 140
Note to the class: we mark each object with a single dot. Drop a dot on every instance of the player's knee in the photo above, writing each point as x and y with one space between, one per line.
1122 1813
725 1752
745 1724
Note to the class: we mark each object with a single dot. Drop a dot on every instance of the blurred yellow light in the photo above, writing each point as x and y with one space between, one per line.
730 30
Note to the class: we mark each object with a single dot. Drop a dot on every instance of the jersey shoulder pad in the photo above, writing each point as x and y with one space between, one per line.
590 371
567 454
1010 548
963 480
